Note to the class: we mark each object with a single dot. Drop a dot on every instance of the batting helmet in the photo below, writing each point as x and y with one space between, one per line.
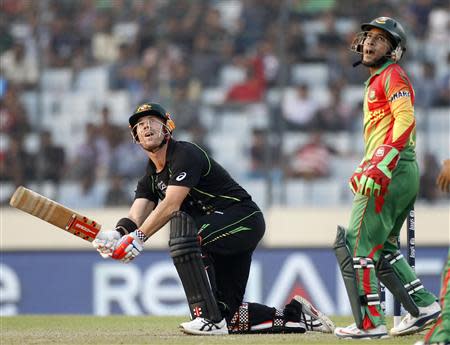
395 31
154 109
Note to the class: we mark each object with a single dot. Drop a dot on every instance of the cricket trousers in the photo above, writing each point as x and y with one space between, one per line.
372 234
228 239
440 332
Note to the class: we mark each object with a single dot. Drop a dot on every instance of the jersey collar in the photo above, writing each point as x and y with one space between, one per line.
378 72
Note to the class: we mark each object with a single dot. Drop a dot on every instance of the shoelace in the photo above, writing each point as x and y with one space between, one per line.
211 325
310 323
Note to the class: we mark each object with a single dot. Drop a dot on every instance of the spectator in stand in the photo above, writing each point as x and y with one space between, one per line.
311 160
63 42
105 46
19 67
13 115
428 189
264 157
254 87
329 39
126 73
125 158
16 164
205 62
117 195
85 194
337 115
427 89
92 157
50 160
443 97
299 110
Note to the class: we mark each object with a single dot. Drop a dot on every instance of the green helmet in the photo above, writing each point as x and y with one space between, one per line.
395 32
154 109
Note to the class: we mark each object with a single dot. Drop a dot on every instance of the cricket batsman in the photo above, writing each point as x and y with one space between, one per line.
385 186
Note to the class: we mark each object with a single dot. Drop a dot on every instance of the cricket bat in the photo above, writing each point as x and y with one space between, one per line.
54 213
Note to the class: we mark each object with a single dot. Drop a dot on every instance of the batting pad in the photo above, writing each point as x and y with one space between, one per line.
186 255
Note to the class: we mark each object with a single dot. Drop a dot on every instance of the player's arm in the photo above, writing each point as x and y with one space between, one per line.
443 180
399 96
378 174
163 212
131 245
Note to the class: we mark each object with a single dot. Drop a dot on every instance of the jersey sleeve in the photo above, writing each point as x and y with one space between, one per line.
145 189
400 96
188 166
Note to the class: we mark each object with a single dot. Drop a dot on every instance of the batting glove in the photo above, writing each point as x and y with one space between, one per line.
376 178
356 177
129 246
105 242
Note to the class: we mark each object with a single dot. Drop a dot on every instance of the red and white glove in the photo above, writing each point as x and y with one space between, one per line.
105 242
129 246
377 176
356 177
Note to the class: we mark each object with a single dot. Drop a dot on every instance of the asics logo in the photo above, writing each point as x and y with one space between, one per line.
181 176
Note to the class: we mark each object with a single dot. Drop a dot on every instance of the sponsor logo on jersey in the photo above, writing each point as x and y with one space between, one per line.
399 94
181 176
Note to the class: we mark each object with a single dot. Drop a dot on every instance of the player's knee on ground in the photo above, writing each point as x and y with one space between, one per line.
258 318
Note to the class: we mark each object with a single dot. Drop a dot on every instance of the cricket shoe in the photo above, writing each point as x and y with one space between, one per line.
201 326
353 332
411 324
313 319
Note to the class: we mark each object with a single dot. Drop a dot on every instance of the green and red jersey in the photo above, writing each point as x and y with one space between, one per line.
389 112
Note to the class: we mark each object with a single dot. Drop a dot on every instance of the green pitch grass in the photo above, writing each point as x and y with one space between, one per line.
123 330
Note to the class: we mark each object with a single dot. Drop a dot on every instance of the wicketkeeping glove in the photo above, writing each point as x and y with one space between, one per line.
105 242
356 177
129 246
376 177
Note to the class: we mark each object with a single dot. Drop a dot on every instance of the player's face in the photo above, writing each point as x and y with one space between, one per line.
150 131
376 45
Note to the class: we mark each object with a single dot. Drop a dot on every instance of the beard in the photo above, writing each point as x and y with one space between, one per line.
378 63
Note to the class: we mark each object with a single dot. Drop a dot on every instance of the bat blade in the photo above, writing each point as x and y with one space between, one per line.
54 213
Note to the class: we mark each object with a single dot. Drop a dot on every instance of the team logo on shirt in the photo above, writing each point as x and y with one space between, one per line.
181 176
372 95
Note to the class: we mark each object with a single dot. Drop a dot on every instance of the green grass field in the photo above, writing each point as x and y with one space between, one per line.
126 330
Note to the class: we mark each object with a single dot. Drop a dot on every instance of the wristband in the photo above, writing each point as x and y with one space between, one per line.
125 226
143 237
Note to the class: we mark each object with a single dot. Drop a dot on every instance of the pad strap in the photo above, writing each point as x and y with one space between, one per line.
414 286
240 321
370 299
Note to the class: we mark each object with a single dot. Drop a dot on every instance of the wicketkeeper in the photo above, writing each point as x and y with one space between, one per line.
214 229
385 186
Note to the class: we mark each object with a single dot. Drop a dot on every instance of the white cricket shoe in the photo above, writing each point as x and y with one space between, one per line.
411 324
353 332
201 326
314 319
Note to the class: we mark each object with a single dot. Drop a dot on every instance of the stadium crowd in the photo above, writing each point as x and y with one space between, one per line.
174 52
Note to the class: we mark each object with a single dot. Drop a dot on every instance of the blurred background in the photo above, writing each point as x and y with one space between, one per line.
267 87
